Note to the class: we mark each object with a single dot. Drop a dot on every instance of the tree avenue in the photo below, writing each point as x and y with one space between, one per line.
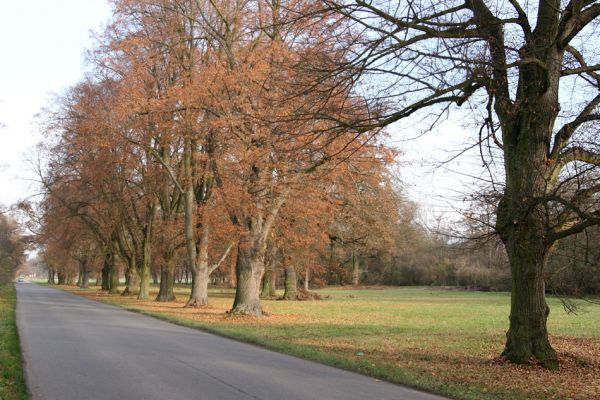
244 141
191 142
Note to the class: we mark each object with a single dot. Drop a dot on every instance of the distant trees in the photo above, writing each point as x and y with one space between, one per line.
12 247
574 270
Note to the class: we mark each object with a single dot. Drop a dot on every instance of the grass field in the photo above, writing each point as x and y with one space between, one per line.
443 341
12 385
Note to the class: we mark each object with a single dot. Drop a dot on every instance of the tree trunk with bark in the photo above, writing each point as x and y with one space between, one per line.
84 275
114 275
51 275
106 272
250 266
527 336
290 283
268 283
522 228
199 293
167 281
198 259
522 216
202 271
131 279
355 271
144 278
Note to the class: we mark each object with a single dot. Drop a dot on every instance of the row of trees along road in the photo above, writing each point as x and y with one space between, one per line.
194 140
240 126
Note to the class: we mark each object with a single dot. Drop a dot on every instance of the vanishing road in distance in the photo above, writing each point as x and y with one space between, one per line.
75 348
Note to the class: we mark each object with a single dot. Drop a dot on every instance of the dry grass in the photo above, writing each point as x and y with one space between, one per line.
444 341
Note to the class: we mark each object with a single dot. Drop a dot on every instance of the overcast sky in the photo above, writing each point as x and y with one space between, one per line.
42 43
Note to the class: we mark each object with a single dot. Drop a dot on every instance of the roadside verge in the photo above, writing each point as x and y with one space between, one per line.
12 382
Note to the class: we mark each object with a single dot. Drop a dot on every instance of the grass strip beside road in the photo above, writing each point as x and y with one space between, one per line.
12 383
442 341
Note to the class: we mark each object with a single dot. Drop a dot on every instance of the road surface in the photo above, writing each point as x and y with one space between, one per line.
79 349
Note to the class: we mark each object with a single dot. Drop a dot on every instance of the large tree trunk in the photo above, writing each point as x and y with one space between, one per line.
144 265
106 272
355 271
131 279
51 274
200 280
167 281
84 275
268 282
249 268
527 336
62 278
199 293
200 272
291 283
144 277
522 220
114 276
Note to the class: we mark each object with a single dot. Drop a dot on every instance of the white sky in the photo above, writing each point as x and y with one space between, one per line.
41 46
432 173
41 52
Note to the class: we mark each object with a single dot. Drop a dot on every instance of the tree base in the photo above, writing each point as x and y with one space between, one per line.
165 298
196 302
128 292
247 310
543 354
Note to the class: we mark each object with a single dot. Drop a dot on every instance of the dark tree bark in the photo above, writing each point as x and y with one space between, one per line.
51 274
106 267
167 281
114 275
84 274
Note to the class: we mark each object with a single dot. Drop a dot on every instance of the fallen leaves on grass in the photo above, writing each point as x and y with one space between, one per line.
453 357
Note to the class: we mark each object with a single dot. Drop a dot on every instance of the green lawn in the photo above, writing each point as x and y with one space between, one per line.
12 384
444 341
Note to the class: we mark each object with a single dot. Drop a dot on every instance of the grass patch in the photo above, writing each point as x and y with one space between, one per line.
12 384
443 341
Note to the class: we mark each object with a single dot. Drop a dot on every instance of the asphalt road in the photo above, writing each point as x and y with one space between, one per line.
78 349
